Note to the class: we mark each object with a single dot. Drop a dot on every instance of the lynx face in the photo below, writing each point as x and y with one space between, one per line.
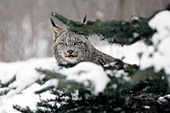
72 48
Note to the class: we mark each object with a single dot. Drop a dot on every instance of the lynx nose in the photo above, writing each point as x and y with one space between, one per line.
70 51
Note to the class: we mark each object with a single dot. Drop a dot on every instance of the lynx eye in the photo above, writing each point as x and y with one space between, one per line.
63 44
78 43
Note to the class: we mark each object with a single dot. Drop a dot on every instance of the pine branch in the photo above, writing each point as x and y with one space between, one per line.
120 32
2 85
23 110
51 74
67 85
142 88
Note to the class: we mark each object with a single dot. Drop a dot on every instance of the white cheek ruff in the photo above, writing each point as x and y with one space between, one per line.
71 60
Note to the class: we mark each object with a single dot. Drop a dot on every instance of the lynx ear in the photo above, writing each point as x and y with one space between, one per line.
57 23
56 30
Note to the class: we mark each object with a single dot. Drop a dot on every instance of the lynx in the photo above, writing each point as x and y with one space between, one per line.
74 48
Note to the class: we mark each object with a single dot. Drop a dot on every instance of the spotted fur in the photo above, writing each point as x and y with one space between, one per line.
73 48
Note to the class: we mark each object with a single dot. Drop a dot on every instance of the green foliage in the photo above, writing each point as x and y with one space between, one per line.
67 85
2 85
147 81
143 88
119 32
66 21
23 110
5 86
129 90
51 74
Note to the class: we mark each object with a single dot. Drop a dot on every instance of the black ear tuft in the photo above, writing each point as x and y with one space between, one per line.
52 22
85 19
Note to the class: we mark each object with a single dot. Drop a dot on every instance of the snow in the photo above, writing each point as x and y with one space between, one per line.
160 50
88 71
75 95
147 107
135 18
161 43
129 53
21 91
164 99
